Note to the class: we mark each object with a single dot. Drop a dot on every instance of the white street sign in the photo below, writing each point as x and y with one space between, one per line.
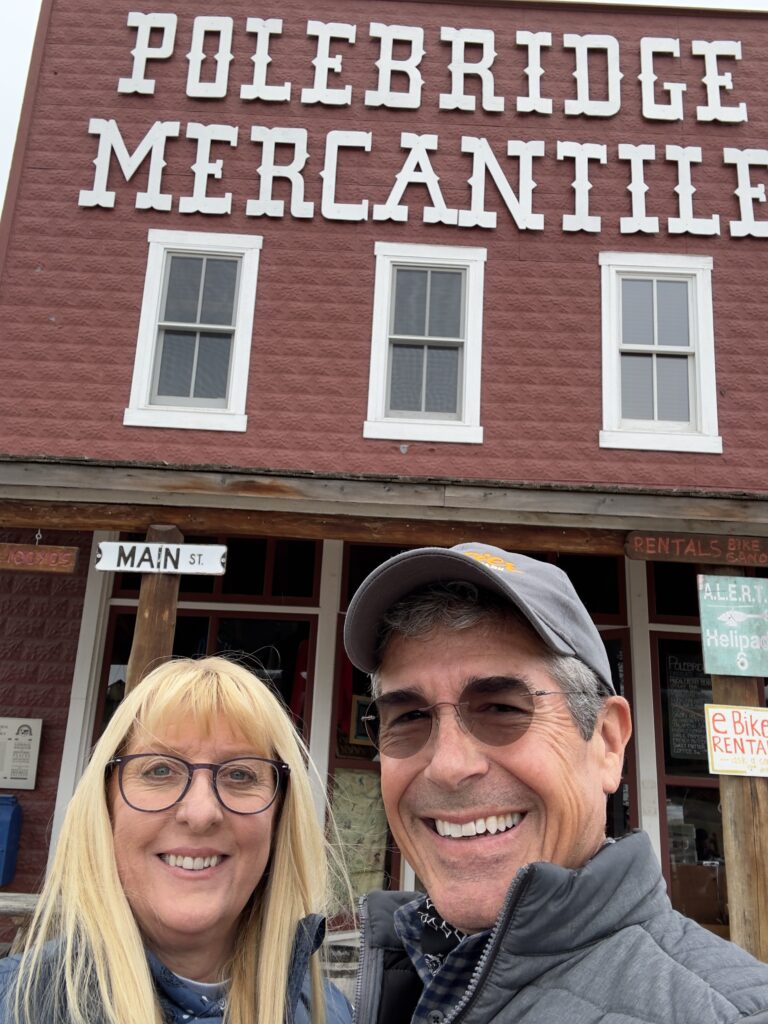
189 559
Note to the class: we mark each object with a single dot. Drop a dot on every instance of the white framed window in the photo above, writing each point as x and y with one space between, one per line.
426 343
659 388
195 331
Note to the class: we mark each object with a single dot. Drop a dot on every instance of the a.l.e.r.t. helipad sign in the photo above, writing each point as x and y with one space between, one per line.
734 625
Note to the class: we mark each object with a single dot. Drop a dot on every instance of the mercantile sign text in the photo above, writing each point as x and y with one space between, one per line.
288 155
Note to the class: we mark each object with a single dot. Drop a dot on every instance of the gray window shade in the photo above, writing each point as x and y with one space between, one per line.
672 388
445 304
218 303
637 387
410 302
183 292
441 392
407 373
636 312
672 298
212 366
177 361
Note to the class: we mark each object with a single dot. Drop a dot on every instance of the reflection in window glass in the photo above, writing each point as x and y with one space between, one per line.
697 860
276 650
362 825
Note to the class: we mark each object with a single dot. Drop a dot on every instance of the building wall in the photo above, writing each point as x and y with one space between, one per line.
72 282
39 623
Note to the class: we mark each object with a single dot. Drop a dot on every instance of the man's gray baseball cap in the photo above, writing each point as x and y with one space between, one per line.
539 590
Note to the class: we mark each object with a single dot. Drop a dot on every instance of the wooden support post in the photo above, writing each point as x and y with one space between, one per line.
156 614
744 803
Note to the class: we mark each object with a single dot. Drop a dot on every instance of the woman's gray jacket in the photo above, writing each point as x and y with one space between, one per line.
598 945
175 1005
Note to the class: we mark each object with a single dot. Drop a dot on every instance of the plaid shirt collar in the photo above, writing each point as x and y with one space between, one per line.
444 957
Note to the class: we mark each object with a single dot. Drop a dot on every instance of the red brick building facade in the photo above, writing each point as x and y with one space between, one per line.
320 284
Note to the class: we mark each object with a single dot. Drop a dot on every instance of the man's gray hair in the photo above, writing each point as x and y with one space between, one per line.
459 605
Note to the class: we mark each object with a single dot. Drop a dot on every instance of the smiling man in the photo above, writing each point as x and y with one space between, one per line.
500 736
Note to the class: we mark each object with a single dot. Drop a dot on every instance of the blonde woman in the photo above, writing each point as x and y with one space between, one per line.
190 872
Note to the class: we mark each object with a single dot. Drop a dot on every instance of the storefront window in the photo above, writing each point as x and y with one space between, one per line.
694 833
277 648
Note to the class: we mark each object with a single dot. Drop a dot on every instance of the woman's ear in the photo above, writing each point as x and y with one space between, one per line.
613 730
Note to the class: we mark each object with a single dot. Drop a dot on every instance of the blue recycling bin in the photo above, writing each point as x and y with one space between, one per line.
10 831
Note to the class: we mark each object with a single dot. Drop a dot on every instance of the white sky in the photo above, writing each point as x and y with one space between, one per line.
18 19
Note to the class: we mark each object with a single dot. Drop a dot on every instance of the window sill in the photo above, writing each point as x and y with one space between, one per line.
186 419
661 442
423 430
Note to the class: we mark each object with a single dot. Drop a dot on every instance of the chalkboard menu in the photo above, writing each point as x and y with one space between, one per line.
685 689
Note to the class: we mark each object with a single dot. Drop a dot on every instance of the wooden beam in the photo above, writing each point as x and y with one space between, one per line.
156 614
212 522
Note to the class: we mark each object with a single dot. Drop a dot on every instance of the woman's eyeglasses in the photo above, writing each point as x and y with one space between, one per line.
155 782
494 711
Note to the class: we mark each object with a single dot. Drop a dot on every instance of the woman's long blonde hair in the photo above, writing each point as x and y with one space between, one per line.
101 967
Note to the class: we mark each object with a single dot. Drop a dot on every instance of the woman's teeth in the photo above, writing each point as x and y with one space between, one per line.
190 863
492 824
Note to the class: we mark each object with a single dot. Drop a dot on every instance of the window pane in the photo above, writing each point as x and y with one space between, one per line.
636 312
672 388
442 380
685 689
406 378
219 292
294 571
181 299
246 564
213 366
410 302
445 304
637 387
176 362
277 650
672 298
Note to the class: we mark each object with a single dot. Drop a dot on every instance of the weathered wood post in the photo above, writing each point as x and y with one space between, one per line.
156 614
744 803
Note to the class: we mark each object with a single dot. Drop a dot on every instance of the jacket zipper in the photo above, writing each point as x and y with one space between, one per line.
363 917
489 953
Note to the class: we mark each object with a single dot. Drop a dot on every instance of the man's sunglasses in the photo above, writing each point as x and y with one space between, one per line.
494 711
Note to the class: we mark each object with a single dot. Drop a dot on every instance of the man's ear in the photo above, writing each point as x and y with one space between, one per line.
612 732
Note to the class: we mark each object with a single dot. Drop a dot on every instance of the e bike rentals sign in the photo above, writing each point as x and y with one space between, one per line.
737 740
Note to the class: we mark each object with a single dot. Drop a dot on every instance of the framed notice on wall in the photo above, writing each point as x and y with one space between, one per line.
19 748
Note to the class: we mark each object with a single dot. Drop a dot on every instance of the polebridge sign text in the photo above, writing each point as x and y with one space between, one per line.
281 151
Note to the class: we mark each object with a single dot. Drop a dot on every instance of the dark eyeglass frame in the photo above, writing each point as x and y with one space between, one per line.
283 775
371 718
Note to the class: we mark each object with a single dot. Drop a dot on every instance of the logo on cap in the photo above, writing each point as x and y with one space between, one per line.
492 561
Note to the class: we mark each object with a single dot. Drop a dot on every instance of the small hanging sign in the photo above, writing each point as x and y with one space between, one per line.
38 558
